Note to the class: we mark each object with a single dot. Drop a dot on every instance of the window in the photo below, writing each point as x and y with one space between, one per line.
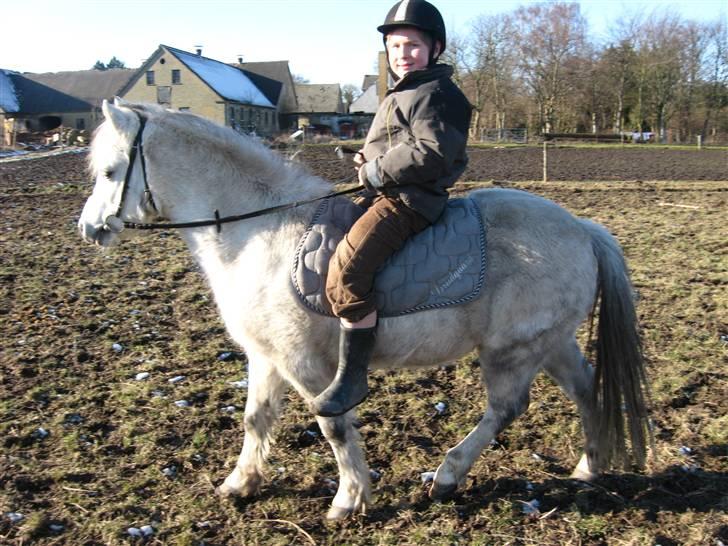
176 77
80 124
164 95
150 77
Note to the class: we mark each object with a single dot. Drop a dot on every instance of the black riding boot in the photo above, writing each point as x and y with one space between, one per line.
349 387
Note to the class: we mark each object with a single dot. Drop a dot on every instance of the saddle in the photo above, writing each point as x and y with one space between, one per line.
441 266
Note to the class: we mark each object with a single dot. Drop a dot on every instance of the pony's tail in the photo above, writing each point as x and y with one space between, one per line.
620 383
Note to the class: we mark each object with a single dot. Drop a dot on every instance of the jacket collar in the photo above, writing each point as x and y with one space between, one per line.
420 76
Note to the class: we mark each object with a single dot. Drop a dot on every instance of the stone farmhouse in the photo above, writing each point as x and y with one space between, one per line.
218 91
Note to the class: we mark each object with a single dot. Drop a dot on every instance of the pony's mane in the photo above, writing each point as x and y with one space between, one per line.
243 153
246 153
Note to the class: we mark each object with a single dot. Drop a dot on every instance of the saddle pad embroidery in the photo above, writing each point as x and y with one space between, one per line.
441 266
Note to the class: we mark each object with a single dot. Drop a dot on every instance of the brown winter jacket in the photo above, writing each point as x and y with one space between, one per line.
417 140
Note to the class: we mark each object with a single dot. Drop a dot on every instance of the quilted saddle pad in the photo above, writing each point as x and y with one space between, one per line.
441 266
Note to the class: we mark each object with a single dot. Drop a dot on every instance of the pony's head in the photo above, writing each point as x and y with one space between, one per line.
116 164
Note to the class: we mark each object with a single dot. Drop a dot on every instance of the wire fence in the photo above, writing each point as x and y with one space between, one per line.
520 135
516 135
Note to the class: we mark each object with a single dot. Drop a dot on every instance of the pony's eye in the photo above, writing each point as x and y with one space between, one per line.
108 173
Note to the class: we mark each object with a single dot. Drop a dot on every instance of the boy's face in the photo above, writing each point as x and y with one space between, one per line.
407 50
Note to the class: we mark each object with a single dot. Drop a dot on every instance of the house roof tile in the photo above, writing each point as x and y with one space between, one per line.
228 81
74 91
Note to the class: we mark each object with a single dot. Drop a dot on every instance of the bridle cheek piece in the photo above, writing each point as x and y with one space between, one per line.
113 222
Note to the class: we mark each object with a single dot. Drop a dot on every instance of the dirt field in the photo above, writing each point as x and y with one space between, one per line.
568 164
88 451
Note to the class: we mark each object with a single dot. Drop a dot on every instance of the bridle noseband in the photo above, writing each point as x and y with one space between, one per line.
115 224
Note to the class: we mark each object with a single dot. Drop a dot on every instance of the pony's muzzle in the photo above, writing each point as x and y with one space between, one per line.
96 234
114 224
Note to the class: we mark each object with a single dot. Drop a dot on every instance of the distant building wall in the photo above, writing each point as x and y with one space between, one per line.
83 121
190 93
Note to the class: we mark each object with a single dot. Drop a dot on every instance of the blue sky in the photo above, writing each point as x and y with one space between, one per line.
326 41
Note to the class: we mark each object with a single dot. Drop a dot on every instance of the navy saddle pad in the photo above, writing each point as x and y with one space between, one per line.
441 266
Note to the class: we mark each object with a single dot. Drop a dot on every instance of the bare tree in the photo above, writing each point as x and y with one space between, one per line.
349 93
617 63
551 44
657 73
484 64
715 89
693 39
660 48
493 50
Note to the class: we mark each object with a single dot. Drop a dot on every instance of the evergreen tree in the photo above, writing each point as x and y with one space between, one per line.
115 63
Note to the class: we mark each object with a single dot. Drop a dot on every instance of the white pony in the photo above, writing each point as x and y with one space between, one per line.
546 270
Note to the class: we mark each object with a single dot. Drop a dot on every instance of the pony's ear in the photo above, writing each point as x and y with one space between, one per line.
115 115
118 101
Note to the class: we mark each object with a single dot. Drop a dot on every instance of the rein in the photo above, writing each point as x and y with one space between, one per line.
218 221
114 222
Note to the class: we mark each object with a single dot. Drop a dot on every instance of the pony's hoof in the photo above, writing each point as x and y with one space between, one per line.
583 472
441 492
337 513
580 475
225 492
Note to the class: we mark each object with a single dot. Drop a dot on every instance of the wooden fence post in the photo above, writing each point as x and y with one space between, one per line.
700 142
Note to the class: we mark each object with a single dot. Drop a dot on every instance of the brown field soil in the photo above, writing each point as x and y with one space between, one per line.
104 464
567 163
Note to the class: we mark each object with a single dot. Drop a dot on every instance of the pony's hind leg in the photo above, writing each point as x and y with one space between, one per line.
265 390
508 377
354 485
567 366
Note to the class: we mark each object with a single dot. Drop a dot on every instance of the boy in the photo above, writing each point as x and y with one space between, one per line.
414 151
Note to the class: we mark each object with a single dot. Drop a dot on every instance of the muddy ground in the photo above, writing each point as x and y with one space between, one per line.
570 163
87 451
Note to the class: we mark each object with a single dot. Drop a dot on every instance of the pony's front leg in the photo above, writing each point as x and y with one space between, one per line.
265 389
354 489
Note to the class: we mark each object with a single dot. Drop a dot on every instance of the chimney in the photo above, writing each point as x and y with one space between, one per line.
198 49
383 80
240 58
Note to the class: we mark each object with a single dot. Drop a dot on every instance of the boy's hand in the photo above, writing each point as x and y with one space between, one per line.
363 180
359 159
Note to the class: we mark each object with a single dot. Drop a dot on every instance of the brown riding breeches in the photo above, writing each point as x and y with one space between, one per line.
374 237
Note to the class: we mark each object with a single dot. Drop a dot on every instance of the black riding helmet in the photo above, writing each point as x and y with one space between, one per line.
419 14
